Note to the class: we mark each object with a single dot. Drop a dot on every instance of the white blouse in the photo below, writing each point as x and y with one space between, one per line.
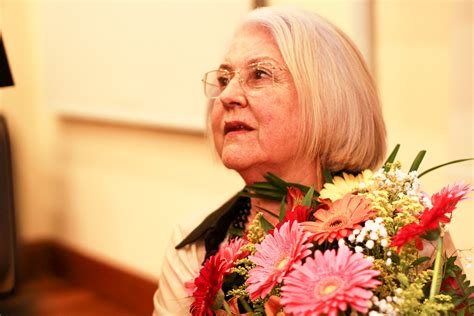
179 266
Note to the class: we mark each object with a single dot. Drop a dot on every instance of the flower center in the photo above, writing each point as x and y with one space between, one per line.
282 263
327 286
337 222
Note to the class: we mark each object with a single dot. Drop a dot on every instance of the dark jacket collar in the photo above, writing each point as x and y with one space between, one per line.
214 227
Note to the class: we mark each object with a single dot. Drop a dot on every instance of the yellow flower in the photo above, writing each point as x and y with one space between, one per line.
345 184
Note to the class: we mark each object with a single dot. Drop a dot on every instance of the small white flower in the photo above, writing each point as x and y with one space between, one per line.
389 261
389 253
383 305
370 258
398 291
384 243
389 298
374 236
413 174
379 220
341 242
358 249
356 231
469 265
360 238
370 244
351 237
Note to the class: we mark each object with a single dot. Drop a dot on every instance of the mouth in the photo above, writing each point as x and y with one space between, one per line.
236 126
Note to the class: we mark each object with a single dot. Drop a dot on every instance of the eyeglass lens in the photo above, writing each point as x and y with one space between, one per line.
251 78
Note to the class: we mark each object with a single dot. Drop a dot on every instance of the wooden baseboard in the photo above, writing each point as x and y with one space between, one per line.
131 291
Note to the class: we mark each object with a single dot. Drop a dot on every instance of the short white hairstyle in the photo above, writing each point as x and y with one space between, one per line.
342 122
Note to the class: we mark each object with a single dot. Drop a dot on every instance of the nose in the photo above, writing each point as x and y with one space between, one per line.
233 95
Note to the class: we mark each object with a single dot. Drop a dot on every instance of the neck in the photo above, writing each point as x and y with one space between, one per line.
309 174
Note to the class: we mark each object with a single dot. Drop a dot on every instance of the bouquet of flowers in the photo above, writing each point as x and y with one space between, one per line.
370 243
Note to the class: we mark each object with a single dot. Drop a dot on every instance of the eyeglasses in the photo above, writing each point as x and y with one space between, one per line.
253 77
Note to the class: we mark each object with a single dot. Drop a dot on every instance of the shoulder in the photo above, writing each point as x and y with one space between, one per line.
179 266
216 222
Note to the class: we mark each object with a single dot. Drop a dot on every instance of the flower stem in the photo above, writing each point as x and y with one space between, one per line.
246 305
435 282
227 308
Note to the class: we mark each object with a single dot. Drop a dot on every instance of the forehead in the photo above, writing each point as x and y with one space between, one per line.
252 43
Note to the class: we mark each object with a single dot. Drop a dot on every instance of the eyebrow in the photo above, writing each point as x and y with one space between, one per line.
252 60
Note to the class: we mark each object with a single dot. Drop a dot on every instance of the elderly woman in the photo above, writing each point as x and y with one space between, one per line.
292 96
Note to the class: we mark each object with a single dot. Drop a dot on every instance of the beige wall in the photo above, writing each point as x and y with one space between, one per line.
114 191
424 73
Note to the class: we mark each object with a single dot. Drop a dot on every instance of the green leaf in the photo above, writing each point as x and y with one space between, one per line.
442 165
308 198
218 300
235 231
395 259
451 260
327 176
282 208
267 211
458 300
245 305
471 305
265 224
264 191
419 261
419 158
470 290
276 181
431 234
266 196
391 158
263 185
451 273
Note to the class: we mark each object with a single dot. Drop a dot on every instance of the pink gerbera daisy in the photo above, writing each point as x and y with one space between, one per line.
275 257
231 251
329 283
342 217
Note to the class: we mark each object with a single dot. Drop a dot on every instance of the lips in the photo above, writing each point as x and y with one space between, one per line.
236 126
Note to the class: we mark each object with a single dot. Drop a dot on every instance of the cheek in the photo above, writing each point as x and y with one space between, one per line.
281 127
215 118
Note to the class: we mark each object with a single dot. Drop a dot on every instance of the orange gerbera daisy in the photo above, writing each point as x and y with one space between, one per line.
342 217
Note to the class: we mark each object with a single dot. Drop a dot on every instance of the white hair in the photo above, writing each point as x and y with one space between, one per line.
342 123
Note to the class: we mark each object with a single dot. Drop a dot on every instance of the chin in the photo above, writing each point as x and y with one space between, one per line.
236 162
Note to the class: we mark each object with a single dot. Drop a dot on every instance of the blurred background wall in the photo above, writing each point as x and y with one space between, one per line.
114 189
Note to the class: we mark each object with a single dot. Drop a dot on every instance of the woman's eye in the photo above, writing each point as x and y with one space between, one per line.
223 81
261 73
